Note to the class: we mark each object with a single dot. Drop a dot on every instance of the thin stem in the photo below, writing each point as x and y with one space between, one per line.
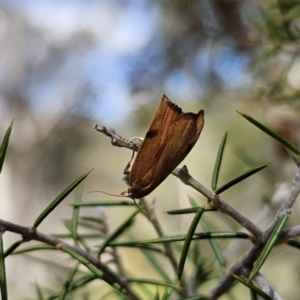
221 204
266 287
288 203
167 246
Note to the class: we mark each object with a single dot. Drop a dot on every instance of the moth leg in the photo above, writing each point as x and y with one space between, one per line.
126 170
138 206
138 141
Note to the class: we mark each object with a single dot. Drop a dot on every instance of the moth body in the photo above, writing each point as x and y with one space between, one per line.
170 137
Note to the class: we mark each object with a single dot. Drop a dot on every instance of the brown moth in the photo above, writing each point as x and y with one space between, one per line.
171 136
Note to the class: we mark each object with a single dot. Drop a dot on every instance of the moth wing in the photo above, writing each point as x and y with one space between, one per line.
155 139
183 135
171 135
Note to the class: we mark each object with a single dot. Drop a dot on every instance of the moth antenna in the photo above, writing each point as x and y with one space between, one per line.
105 193
138 206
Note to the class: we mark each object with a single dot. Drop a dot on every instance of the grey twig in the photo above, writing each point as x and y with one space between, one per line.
289 233
245 264
118 140
221 204
167 246
183 174
251 256
29 234
288 203
266 287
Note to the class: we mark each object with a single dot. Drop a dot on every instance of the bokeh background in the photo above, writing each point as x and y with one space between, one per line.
65 65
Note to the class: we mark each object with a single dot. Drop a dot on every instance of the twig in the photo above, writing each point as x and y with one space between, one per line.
288 203
183 174
266 287
167 246
251 256
29 234
245 264
221 204
118 140
289 233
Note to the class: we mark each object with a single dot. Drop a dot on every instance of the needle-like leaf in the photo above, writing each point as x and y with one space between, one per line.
3 283
218 162
118 231
268 247
58 200
75 215
252 287
4 145
189 210
188 240
271 133
240 178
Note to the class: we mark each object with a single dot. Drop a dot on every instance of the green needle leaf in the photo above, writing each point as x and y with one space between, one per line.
69 281
268 247
188 240
59 199
33 248
156 264
252 287
76 284
295 158
4 145
292 13
166 295
93 269
153 282
3 284
118 231
216 171
13 247
271 133
240 178
189 210
293 243
75 215
197 297
182 237
214 245
39 293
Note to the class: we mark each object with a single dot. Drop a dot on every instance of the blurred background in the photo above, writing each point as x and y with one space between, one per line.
65 65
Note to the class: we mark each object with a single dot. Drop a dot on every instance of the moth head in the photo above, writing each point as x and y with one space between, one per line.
126 193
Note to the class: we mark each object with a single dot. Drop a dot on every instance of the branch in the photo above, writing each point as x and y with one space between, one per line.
288 203
167 246
185 177
29 234
118 140
219 202
251 256
227 279
266 287
246 262
289 233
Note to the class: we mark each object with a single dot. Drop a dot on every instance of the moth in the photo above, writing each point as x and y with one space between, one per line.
171 136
